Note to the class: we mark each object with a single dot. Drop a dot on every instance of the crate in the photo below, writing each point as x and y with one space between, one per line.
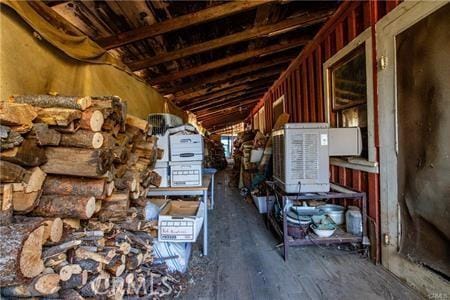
186 147
180 221
184 174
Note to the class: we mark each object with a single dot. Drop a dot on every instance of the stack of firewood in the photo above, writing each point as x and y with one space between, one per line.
68 167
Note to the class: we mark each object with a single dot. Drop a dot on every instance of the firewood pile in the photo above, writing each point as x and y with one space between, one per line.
74 175
214 154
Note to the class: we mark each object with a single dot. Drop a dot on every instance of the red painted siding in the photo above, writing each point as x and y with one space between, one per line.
302 85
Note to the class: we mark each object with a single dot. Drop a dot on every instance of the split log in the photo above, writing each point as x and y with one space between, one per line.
61 248
53 230
11 140
42 285
46 136
53 227
15 114
72 223
92 119
81 207
134 261
89 265
66 272
75 281
35 181
115 207
28 154
24 203
48 101
152 178
57 116
10 172
6 212
75 186
82 139
115 266
139 123
77 162
20 253
71 128
98 285
129 181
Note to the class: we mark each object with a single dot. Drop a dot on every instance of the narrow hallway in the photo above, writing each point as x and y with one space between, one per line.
243 262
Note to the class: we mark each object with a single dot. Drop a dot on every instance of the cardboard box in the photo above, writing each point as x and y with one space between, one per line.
186 147
180 221
183 174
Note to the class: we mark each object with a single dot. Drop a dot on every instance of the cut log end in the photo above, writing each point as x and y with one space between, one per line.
97 140
90 207
96 121
47 284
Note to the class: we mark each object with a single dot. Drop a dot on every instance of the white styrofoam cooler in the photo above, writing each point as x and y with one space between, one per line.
261 203
186 147
162 168
184 174
180 221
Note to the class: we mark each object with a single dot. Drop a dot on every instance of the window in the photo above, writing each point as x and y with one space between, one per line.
348 89
349 93
278 109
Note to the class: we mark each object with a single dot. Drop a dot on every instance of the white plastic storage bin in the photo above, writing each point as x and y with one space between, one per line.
261 203
186 147
162 168
184 174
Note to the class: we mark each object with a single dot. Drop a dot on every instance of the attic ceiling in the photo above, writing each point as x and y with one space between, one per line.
213 58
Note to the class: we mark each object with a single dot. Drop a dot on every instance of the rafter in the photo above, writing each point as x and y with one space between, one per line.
221 103
220 110
239 88
225 61
227 85
202 16
236 117
224 76
239 95
239 100
249 34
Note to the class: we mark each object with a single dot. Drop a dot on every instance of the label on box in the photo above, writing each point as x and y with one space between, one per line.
177 230
324 139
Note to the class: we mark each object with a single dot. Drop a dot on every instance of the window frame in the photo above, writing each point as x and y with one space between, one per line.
365 38
262 119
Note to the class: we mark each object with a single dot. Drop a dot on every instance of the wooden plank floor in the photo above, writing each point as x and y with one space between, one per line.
243 263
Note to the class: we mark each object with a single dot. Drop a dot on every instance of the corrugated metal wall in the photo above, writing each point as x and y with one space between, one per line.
302 86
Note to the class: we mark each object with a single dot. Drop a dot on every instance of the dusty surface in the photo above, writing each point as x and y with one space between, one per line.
244 263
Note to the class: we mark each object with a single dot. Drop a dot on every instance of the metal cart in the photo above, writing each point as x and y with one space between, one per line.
340 236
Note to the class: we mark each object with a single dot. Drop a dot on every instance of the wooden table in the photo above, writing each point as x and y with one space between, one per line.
190 191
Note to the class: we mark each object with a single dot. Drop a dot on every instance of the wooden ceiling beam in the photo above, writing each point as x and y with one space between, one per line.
226 113
280 62
239 95
285 45
202 16
228 107
228 85
236 117
249 34
226 92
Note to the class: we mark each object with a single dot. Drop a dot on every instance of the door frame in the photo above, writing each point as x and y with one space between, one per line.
401 18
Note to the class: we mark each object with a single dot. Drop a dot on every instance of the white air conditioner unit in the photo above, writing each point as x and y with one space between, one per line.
300 157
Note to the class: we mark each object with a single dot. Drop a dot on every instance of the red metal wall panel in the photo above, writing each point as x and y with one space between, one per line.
302 85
